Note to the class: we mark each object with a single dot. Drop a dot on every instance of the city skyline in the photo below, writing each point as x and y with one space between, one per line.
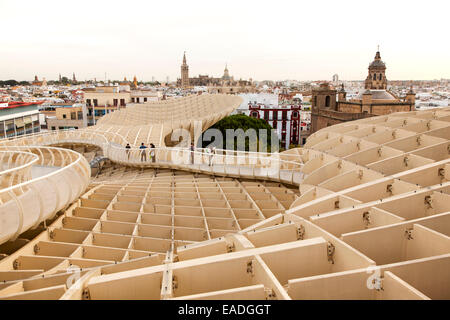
305 41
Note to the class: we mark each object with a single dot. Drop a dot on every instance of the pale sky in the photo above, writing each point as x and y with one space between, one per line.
276 40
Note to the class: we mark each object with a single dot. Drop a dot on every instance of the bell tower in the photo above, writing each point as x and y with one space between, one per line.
226 74
184 73
376 79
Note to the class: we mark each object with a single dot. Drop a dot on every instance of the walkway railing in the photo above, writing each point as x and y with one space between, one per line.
225 162
16 167
26 204
86 136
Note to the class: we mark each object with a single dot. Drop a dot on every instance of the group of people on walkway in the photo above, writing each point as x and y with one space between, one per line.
210 151
143 152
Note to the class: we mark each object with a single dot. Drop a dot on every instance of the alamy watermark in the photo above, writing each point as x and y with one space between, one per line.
235 139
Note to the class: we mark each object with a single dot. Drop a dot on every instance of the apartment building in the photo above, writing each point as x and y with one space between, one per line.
67 118
18 118
104 99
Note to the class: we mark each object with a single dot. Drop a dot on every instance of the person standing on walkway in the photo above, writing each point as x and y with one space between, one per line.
152 152
127 150
213 153
209 152
143 153
192 153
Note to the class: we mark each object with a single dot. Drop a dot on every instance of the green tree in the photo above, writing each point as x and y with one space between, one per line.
244 122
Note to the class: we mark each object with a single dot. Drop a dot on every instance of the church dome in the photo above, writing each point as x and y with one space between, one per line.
377 61
377 95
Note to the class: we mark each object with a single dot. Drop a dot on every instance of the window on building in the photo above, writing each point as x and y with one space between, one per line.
381 76
115 102
137 100
274 115
255 114
9 125
10 128
19 123
73 116
80 115
284 125
132 100
99 113
374 76
327 101
315 101
28 122
266 114
122 102
88 102
295 114
145 99
64 116
284 115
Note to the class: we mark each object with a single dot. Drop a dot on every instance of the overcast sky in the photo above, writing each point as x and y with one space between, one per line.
277 40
